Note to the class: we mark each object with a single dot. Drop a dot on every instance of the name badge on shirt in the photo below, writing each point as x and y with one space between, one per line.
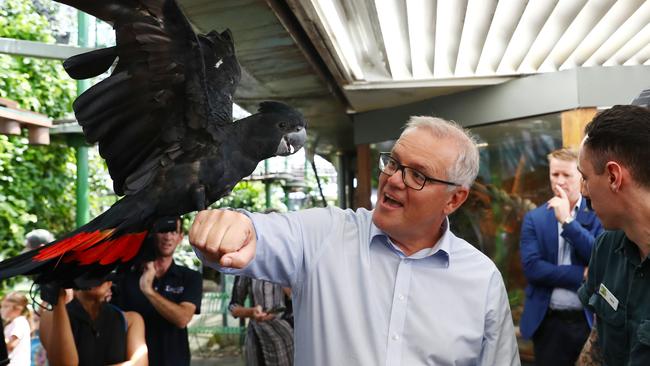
608 296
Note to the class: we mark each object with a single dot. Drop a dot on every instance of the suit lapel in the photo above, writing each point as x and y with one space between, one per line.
551 235
584 216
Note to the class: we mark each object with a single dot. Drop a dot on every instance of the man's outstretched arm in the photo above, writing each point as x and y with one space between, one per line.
224 237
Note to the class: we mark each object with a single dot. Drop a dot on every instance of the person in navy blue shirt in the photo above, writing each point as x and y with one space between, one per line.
556 243
166 295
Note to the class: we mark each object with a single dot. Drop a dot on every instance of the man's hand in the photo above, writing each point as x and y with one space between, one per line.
260 315
146 280
560 204
223 236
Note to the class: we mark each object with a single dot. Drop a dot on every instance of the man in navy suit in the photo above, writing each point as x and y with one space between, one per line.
556 243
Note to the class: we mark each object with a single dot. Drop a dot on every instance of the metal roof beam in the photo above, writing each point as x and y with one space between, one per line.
631 27
19 47
535 16
615 17
477 23
421 19
506 18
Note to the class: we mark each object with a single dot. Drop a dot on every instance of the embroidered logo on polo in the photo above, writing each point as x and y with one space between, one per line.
174 290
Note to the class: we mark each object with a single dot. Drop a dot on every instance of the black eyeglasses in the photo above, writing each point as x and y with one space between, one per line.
411 177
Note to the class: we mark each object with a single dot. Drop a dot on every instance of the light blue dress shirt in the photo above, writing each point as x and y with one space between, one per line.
561 298
358 300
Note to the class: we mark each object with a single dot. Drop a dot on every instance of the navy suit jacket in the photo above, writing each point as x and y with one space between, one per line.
539 246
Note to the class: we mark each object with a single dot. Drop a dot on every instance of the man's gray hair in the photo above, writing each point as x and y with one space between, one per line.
465 169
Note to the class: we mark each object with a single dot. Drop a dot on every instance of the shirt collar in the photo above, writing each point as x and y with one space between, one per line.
173 269
576 208
441 249
630 251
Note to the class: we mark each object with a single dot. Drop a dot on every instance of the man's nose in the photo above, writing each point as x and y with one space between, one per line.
397 179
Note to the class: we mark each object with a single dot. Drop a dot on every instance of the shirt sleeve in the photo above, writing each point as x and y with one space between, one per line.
581 238
239 291
588 288
541 272
193 289
287 244
499 341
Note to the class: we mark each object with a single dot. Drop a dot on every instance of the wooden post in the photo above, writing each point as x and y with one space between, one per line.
9 127
39 135
363 190
573 125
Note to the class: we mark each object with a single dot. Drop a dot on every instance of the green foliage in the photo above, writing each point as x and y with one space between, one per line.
36 191
247 195
38 85
37 183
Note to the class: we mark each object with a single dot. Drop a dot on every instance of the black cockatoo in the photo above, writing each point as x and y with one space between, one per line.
163 122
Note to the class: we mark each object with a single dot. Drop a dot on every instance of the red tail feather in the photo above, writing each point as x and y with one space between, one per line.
88 248
124 247
77 242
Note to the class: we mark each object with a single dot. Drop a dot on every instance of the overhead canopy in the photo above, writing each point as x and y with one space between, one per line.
329 57
392 52
338 59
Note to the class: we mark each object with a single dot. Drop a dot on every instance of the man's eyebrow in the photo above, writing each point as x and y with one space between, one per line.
417 166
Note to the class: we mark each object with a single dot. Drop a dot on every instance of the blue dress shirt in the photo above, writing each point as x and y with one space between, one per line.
358 300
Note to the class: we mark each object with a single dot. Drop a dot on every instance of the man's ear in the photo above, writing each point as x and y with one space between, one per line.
457 198
615 174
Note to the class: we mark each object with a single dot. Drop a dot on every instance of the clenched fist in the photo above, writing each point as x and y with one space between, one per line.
225 237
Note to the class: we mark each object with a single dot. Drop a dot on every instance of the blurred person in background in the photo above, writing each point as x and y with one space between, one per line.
556 243
166 294
16 318
85 330
37 238
34 239
269 337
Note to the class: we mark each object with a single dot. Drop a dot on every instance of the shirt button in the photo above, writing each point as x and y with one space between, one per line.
396 337
401 297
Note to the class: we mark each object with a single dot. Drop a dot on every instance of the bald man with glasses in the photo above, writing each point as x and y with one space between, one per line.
391 286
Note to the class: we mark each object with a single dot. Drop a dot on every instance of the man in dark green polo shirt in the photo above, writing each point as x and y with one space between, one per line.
615 166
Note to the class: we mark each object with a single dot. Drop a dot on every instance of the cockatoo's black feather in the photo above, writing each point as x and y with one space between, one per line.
163 123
